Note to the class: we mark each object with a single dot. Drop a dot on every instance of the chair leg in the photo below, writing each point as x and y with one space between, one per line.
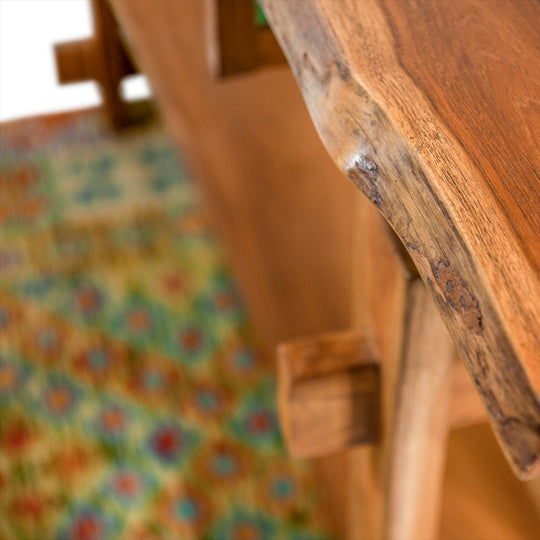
102 58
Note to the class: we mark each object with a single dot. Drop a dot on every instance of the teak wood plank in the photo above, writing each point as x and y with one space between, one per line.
433 110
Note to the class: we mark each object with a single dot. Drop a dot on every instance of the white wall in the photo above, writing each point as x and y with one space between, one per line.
28 84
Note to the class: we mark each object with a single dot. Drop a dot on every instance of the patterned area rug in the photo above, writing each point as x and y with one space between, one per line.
133 401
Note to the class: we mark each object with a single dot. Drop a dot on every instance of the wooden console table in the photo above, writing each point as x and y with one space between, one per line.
432 109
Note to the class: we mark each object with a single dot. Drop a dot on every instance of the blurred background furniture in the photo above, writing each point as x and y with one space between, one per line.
102 58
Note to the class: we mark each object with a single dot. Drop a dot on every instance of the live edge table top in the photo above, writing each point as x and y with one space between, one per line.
432 108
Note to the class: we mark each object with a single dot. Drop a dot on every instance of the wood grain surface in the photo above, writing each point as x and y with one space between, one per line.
433 110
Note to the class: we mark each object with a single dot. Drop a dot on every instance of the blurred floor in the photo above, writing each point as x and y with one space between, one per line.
133 400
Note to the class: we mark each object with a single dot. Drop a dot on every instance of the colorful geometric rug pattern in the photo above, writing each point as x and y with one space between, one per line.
134 403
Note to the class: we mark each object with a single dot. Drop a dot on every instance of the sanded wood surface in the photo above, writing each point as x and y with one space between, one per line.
433 110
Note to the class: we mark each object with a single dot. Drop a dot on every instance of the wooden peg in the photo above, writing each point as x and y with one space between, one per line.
328 395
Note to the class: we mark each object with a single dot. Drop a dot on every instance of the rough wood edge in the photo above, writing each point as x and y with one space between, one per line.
370 149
